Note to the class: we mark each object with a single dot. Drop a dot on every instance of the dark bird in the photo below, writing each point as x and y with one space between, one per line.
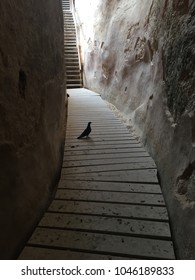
86 131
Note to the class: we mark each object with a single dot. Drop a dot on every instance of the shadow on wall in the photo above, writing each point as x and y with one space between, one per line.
32 115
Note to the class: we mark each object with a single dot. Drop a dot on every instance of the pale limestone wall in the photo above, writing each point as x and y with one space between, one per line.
139 55
32 114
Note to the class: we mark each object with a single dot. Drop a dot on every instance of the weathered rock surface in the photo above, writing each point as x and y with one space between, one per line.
140 56
31 114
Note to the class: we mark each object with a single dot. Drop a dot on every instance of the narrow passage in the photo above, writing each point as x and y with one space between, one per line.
108 204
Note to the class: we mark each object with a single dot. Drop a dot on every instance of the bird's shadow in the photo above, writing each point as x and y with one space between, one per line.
88 139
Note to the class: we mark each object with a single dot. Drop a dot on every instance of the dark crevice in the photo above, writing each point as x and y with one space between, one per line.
22 83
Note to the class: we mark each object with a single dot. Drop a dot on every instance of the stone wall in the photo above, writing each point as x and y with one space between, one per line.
32 115
139 55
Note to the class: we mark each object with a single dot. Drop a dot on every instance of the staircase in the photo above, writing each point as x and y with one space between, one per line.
73 69
65 5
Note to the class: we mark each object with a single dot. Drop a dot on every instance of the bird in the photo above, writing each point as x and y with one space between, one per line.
86 131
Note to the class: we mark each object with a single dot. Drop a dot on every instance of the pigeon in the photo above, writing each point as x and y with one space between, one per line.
86 131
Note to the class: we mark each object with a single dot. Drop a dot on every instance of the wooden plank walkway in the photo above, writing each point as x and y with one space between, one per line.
108 204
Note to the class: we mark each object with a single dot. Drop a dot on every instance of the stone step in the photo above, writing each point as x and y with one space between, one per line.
72 58
69 25
70 44
72 64
72 70
70 29
78 76
70 73
76 73
75 78
68 19
67 38
72 54
70 33
73 81
70 50
70 41
74 86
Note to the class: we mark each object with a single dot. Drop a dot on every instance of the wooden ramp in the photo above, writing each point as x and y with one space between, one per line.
108 204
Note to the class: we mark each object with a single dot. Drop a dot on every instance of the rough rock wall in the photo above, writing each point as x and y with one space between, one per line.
31 114
140 56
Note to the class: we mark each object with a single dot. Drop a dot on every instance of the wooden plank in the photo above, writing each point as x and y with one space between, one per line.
110 197
74 122
107 186
105 132
94 109
92 146
113 161
106 151
96 116
111 167
108 209
92 105
99 134
98 141
38 253
108 116
124 245
96 126
146 176
120 226
105 138
99 128
100 156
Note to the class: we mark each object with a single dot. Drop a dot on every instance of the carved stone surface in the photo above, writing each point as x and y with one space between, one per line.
31 114
141 59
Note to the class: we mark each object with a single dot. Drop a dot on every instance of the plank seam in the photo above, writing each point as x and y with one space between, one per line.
111 202
136 235
112 191
95 252
108 181
111 216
